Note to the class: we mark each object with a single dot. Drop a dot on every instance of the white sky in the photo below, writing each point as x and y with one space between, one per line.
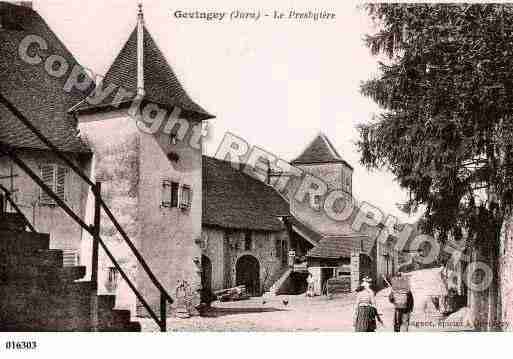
275 84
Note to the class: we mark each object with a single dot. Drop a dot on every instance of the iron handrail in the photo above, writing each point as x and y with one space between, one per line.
16 208
7 150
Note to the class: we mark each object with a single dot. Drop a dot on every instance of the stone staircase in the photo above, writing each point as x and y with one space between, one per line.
37 293
279 280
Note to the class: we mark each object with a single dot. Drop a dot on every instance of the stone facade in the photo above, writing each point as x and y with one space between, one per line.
226 247
65 234
133 167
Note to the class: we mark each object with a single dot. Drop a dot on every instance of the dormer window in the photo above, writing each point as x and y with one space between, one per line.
173 135
172 138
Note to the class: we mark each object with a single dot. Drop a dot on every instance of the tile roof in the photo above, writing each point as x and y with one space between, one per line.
39 96
335 247
304 230
161 85
233 199
320 150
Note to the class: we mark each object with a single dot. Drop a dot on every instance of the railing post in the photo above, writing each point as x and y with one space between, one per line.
97 189
163 315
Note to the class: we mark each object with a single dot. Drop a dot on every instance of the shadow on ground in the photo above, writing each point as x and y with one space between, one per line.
216 312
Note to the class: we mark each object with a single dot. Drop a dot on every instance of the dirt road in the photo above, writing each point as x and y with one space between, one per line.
271 314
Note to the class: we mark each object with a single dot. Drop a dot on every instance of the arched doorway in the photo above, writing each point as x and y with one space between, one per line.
206 279
248 273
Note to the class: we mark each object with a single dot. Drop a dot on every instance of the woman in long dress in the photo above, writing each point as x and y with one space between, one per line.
365 311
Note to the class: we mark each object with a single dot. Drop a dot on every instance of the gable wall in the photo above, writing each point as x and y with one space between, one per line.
64 232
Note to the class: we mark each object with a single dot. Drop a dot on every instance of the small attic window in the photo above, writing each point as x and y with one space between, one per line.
173 157
173 135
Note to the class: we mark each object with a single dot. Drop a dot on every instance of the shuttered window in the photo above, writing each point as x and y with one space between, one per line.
112 278
165 195
60 181
174 194
185 197
169 194
55 177
70 257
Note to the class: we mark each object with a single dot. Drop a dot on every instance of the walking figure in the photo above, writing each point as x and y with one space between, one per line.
365 311
310 290
402 299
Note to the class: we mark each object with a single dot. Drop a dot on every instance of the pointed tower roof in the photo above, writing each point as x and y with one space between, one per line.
320 150
141 67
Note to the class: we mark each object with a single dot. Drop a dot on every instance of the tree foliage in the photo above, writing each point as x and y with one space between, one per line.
445 86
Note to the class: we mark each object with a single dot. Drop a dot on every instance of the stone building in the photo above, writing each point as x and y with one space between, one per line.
151 177
39 94
244 239
332 248
344 256
197 221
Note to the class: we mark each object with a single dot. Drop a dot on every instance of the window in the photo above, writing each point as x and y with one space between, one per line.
169 196
54 176
284 252
173 133
173 138
185 197
173 156
70 258
247 241
112 279
278 248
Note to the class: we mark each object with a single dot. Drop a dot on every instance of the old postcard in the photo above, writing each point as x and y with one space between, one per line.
191 166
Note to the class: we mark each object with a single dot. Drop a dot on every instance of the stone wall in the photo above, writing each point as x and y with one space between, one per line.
213 247
133 166
506 273
64 232
332 175
225 247
169 236
361 266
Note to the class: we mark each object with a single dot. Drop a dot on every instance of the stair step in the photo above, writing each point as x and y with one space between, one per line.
124 328
49 274
134 327
12 222
43 258
23 241
115 316
106 302
114 320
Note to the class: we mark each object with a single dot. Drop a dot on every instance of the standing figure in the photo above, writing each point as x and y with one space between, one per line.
365 311
310 289
402 299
